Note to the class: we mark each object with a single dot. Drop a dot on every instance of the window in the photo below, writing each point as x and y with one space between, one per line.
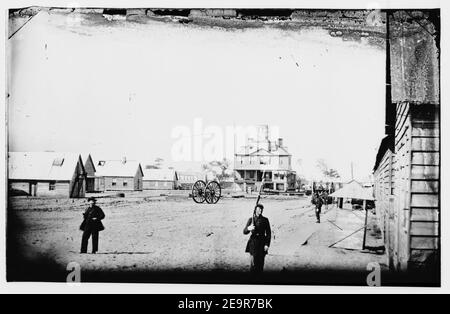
114 182
264 161
58 162
52 186
125 183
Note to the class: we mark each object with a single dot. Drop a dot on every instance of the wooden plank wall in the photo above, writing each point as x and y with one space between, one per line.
158 185
138 181
402 169
417 185
99 184
43 189
384 190
415 90
119 185
425 174
78 181
89 168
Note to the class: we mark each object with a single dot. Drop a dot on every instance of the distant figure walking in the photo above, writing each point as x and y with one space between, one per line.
91 226
259 242
318 202
324 197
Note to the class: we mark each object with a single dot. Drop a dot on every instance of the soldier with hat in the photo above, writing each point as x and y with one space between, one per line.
91 226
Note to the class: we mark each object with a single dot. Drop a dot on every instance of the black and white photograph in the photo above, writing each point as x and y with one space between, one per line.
235 145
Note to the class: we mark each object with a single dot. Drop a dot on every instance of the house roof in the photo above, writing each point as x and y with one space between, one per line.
280 151
117 168
160 175
354 190
88 158
386 144
42 166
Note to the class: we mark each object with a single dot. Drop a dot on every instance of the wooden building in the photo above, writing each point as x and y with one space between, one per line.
186 179
118 175
91 181
262 160
407 169
46 174
160 179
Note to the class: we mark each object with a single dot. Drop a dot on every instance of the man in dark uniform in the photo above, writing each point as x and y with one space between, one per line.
259 242
91 225
318 202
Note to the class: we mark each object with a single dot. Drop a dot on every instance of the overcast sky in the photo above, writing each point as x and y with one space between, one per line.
122 88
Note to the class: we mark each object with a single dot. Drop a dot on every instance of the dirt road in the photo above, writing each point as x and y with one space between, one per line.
176 234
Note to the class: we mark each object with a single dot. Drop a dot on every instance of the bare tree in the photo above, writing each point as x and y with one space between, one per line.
326 170
220 169
157 164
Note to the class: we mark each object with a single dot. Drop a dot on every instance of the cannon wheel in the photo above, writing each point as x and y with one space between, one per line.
213 192
198 192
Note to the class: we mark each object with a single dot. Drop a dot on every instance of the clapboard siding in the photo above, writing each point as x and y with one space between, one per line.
119 183
89 167
421 228
158 185
424 243
425 158
425 186
424 214
420 143
414 92
424 200
407 190
419 129
60 189
425 172
99 184
402 183
138 180
384 191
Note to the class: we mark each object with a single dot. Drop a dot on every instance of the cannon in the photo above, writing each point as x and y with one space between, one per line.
209 192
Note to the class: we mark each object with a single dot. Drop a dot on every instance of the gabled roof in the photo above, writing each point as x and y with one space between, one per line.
160 175
354 190
281 151
263 152
118 168
386 144
43 166
87 158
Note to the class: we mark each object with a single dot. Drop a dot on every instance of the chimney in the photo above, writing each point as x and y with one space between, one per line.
262 133
280 142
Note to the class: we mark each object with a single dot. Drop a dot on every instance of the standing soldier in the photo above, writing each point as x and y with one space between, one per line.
259 242
92 225
318 202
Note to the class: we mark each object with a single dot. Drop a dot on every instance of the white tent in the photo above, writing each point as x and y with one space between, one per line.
354 190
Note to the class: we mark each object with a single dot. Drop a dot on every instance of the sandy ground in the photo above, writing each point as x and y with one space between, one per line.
159 233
